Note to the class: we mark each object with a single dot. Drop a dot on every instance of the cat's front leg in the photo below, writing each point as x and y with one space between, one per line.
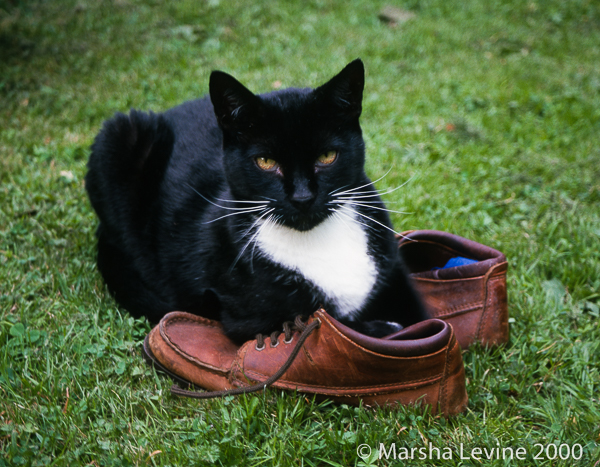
394 300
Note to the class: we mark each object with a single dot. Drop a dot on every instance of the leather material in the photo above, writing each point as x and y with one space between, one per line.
420 365
471 297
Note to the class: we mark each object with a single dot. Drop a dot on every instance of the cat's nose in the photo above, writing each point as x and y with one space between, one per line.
302 199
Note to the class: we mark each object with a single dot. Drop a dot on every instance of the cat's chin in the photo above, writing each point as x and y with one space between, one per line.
304 223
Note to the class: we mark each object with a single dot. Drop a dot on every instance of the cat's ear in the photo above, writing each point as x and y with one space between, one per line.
235 106
345 90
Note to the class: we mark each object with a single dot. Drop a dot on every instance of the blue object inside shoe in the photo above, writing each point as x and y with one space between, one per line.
457 261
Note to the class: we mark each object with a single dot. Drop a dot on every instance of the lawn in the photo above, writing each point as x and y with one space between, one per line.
490 111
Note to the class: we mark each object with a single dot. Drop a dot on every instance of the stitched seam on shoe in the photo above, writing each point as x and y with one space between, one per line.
353 390
444 384
458 309
371 352
255 376
204 321
442 246
460 279
442 393
185 355
238 367
487 316
495 277
308 356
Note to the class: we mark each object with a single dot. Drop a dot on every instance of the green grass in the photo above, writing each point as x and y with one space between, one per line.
491 109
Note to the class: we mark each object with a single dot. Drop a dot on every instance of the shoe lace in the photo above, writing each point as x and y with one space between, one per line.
288 329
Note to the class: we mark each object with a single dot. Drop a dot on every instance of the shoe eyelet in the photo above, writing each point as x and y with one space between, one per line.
285 341
274 345
256 347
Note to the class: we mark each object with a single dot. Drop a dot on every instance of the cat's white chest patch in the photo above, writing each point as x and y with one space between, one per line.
333 256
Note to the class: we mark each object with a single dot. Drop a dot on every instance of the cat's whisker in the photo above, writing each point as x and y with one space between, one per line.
267 198
271 216
338 214
276 219
379 202
257 221
239 209
369 226
218 205
271 221
371 206
241 201
353 190
341 211
377 222
370 183
252 239
369 193
391 190
359 198
353 200
245 211
374 194
337 189
237 258
357 193
353 219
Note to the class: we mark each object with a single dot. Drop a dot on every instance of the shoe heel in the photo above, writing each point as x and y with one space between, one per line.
493 324
453 398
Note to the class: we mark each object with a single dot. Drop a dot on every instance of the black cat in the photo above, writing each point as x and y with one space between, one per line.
249 209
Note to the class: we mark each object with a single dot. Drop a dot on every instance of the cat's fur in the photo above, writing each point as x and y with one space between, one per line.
189 221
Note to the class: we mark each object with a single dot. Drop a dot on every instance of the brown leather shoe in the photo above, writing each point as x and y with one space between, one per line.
421 364
471 297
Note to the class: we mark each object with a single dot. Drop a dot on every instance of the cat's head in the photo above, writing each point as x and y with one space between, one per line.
293 147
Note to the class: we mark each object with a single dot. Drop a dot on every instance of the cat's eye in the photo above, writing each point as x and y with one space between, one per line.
265 163
327 159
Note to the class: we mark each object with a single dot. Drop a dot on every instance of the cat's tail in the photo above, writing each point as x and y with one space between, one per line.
128 162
